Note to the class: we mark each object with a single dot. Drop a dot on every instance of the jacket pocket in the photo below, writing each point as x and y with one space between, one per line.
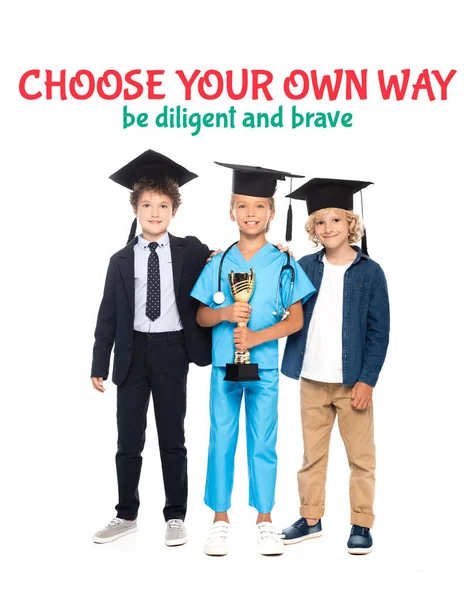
360 294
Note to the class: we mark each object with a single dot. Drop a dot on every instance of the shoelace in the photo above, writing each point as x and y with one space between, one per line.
217 531
174 524
115 522
358 530
268 530
299 522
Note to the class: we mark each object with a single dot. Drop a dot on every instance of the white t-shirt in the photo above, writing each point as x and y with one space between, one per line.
323 356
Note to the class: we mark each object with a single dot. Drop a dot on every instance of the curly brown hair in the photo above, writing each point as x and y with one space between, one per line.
271 205
356 228
166 187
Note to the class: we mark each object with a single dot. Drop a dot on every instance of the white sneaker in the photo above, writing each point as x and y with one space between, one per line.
116 529
216 541
269 538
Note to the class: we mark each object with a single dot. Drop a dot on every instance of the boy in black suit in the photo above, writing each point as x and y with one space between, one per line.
148 313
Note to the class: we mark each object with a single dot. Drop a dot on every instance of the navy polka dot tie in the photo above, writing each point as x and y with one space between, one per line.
153 284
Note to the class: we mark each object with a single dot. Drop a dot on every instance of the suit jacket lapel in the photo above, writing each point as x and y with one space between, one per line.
127 270
177 251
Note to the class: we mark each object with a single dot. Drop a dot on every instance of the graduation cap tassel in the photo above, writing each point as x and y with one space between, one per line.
133 230
289 224
289 217
364 244
364 237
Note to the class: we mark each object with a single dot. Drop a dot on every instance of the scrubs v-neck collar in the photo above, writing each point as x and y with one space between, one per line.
256 258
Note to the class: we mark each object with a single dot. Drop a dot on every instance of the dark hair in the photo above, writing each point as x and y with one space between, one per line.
167 187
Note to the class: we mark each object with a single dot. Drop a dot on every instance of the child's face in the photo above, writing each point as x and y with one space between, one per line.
332 230
251 214
154 212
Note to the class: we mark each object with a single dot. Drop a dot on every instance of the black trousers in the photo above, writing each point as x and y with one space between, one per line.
160 365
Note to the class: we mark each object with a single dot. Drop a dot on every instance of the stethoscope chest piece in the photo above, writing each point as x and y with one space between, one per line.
219 298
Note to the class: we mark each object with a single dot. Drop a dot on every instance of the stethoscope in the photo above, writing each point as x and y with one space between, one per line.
219 297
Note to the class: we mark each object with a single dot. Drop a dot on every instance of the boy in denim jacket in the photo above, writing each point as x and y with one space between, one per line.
338 355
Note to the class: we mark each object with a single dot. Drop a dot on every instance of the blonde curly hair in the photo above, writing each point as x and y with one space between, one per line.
356 227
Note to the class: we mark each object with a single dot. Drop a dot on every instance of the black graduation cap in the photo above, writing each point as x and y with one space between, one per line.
255 181
259 182
152 165
331 193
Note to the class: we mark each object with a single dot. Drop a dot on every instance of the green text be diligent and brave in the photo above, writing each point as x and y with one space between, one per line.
178 117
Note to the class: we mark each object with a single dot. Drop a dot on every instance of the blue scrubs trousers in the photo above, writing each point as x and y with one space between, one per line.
261 412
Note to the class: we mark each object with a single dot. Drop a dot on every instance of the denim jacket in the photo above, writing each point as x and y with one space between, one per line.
365 320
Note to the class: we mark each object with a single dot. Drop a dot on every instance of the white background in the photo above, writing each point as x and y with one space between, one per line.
62 218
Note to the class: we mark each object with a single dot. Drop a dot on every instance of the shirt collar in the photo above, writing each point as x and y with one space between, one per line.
319 255
163 241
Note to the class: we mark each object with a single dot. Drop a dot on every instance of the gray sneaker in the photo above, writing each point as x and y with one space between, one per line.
175 534
116 529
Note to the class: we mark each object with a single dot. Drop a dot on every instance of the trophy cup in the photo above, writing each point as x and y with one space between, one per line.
242 286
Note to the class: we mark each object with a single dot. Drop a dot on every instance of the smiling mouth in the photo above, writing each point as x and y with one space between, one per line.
251 222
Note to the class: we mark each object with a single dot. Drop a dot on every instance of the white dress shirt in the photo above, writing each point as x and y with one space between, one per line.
169 319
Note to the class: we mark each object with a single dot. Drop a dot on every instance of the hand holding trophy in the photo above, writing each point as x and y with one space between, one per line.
242 287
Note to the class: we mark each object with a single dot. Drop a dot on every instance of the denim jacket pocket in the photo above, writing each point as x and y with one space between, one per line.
360 294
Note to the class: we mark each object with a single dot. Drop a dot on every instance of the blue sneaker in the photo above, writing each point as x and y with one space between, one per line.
300 531
360 540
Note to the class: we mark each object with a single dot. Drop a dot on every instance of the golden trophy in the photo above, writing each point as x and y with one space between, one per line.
242 287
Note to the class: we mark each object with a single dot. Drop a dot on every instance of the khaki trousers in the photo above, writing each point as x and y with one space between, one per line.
320 402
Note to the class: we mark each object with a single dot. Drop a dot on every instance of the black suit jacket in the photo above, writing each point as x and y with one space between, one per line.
117 309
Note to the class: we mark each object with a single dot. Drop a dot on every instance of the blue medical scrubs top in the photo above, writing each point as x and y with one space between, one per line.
267 264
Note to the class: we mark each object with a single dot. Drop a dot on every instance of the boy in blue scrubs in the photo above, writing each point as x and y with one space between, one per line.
275 311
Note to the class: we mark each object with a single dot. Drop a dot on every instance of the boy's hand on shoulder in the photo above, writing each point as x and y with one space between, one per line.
97 383
212 254
239 312
283 248
245 338
361 397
